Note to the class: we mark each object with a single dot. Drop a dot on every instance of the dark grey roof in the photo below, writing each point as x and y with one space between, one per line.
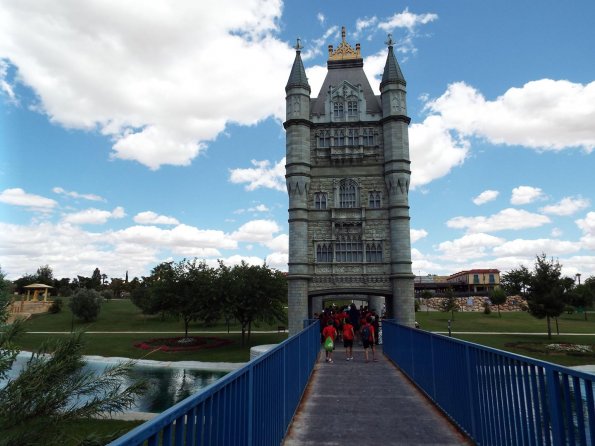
351 71
297 78
392 71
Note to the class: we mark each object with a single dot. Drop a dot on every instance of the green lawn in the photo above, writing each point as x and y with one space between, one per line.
518 322
123 316
510 322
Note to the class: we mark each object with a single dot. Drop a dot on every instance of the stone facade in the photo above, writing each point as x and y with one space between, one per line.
347 177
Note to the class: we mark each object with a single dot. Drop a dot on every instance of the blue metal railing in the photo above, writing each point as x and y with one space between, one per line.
251 406
496 397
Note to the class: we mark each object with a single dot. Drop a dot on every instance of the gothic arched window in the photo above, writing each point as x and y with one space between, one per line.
348 194
374 252
324 252
324 138
368 137
374 199
348 248
352 137
351 108
338 108
320 200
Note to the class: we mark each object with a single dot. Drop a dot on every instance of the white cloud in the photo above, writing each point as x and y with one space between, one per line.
418 234
362 24
556 232
316 75
532 248
543 114
256 231
70 251
93 216
279 244
506 219
434 151
18 197
587 225
255 209
90 197
261 175
133 75
4 85
485 197
178 239
406 20
320 17
566 206
526 195
469 246
151 218
278 260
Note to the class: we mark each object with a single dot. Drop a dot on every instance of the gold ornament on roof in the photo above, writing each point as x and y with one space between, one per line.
344 51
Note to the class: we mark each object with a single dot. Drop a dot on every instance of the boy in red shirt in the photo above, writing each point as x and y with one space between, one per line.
329 332
348 335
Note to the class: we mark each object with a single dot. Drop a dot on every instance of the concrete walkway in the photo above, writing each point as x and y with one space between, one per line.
353 402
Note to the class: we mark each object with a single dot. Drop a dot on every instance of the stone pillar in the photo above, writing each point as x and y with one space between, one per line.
376 303
396 174
297 178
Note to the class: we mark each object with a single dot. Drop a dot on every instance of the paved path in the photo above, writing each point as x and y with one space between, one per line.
358 403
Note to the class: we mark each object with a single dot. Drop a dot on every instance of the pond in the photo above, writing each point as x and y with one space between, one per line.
168 383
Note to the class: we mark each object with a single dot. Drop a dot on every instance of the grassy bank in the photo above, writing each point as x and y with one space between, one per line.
524 341
121 316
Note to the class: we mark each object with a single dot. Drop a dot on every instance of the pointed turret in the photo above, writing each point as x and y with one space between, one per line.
297 78
392 72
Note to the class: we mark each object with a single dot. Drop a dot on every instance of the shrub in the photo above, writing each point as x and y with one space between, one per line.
86 304
569 309
107 294
416 305
56 306
486 308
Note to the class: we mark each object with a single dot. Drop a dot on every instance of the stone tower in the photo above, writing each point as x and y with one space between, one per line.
347 174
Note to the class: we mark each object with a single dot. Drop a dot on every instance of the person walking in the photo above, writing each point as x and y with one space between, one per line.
348 336
368 338
329 334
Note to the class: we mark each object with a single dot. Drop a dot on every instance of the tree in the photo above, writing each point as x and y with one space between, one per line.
53 388
95 282
117 286
85 305
195 292
450 303
45 275
516 281
427 295
546 291
257 294
8 351
581 296
185 289
498 297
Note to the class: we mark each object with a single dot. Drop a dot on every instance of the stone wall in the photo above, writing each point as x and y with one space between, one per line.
513 303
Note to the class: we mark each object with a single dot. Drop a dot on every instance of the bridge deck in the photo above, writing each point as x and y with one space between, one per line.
353 402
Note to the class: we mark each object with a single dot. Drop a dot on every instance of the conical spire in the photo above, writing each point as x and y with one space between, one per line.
392 72
297 78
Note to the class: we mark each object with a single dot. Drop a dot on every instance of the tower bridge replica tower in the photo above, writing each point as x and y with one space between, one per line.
347 175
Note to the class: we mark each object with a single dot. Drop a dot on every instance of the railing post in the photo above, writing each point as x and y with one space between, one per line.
472 385
553 393
250 403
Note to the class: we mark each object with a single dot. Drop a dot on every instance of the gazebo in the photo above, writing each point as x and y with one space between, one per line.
37 288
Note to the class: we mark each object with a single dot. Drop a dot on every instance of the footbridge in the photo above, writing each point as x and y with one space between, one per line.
424 389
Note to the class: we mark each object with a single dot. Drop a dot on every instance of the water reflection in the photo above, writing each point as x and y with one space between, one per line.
167 385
